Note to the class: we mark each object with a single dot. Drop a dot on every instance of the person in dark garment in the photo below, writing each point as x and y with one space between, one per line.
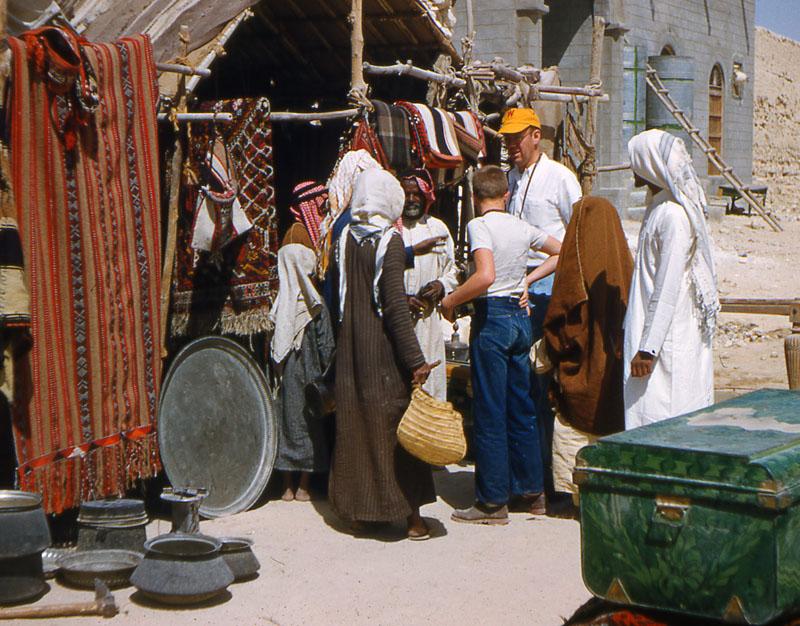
302 345
373 479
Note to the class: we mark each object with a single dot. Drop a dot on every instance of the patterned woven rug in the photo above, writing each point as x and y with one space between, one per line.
231 292
86 192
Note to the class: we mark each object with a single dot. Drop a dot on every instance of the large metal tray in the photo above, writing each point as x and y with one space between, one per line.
113 567
216 426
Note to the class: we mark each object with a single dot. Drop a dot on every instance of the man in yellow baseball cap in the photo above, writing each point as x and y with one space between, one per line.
522 133
541 193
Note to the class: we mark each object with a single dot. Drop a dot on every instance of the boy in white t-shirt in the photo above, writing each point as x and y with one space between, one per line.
508 461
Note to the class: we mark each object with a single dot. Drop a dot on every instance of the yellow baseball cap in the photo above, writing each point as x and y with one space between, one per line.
517 120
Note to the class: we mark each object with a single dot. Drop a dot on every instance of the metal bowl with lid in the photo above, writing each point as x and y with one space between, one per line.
24 537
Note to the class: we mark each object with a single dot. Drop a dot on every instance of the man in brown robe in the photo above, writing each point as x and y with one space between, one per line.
584 328
373 479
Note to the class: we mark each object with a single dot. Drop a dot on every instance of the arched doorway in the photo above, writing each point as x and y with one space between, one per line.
716 92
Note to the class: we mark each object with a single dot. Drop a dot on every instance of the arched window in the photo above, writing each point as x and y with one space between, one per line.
667 50
716 91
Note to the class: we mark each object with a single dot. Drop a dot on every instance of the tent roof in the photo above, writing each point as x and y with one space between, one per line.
308 33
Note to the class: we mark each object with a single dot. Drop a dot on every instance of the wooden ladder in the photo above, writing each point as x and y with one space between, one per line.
655 83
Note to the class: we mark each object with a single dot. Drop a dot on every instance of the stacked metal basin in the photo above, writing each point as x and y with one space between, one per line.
23 538
112 524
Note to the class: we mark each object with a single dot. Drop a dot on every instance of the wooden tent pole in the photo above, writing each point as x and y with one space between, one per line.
589 167
176 173
218 49
358 87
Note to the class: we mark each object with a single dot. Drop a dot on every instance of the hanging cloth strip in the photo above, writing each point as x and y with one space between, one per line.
364 138
469 132
89 217
58 58
231 292
434 136
394 133
219 218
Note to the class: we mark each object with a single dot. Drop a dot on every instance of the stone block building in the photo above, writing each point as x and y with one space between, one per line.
711 44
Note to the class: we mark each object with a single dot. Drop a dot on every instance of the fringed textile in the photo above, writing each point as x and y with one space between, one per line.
394 133
434 135
231 292
87 206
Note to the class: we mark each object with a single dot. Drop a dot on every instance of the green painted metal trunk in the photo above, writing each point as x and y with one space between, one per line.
698 514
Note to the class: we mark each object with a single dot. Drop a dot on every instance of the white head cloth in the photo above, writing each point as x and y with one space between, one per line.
342 181
377 203
662 159
298 300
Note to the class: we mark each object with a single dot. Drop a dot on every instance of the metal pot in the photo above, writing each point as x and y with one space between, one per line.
238 554
455 349
182 569
185 508
24 536
114 524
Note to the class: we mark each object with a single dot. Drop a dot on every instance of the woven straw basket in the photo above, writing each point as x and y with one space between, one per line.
432 430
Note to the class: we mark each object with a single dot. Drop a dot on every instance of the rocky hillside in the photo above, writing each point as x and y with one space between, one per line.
776 119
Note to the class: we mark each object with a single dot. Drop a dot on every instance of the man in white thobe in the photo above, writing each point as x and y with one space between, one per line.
431 277
673 303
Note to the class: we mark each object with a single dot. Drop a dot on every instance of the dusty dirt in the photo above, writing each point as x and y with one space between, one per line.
314 572
776 125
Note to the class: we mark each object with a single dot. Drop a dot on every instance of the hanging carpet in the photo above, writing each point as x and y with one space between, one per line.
85 177
230 290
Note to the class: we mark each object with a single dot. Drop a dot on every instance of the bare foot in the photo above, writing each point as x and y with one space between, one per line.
303 494
288 492
417 529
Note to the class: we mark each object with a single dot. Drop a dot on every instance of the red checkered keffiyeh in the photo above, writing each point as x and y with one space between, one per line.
308 200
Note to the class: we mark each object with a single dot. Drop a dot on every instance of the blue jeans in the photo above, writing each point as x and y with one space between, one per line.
505 436
538 301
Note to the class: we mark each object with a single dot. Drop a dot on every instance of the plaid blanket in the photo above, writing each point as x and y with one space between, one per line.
86 190
394 133
230 291
434 135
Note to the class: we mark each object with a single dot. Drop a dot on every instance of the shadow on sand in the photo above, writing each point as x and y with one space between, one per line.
140 598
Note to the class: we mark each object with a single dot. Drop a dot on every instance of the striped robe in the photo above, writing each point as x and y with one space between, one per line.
372 478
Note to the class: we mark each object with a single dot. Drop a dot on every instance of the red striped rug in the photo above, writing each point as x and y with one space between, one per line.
86 395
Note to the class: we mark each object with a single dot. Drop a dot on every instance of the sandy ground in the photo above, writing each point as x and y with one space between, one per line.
776 125
314 572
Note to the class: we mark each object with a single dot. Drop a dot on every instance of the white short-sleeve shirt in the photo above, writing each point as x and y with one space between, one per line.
509 239
548 204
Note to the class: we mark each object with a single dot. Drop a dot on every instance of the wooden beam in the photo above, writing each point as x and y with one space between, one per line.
589 166
759 306
406 69
357 85
185 70
173 200
219 45
196 117
289 116
334 17
614 168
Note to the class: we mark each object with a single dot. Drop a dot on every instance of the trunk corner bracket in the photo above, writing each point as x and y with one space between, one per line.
616 592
